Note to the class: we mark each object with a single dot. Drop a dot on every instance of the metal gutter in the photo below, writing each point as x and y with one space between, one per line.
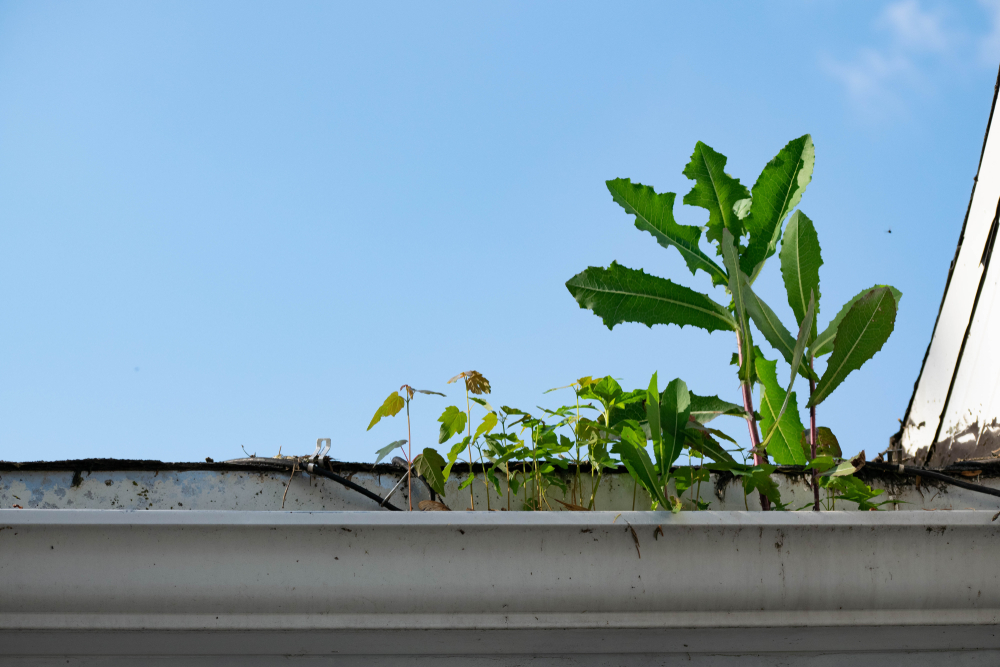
500 588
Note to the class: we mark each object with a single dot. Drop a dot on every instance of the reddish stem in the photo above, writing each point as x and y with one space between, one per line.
812 440
758 457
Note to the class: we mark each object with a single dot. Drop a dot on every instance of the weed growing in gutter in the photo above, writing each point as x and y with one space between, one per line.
649 430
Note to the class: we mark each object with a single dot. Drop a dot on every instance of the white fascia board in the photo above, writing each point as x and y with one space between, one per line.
100 582
970 427
930 394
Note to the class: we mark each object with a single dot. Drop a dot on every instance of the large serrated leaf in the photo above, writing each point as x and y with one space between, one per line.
773 330
823 344
784 445
778 190
654 213
800 261
618 294
860 335
714 190
730 257
706 408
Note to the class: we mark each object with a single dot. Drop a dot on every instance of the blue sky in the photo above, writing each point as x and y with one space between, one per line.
228 225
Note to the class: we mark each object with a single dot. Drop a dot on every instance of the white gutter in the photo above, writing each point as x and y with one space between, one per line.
105 583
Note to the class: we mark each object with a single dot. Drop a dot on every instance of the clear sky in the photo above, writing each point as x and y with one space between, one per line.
242 224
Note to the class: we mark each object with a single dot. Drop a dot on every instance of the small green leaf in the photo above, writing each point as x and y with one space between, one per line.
823 344
452 422
385 451
654 213
714 190
488 424
778 190
774 331
860 335
800 261
706 408
456 449
618 294
784 445
737 280
429 464
389 408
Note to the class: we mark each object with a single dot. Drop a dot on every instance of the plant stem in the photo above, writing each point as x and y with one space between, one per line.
409 458
812 440
758 456
472 471
576 487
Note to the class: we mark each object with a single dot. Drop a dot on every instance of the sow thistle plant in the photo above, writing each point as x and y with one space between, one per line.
649 430
746 228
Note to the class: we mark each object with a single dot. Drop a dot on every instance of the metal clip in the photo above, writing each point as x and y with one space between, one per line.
326 450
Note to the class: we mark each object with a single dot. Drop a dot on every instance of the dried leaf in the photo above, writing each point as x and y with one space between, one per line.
571 506
474 382
432 506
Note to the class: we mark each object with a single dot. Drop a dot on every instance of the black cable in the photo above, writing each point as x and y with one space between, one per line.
314 469
931 474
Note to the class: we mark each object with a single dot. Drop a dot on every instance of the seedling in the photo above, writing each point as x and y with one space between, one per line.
390 408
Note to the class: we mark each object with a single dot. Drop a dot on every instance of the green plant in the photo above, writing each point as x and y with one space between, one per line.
454 420
619 294
746 228
853 336
390 408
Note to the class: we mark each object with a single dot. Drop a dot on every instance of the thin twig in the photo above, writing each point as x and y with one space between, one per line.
295 469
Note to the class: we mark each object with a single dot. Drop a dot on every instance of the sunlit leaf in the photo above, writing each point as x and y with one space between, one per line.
654 213
823 344
778 190
860 335
452 422
618 294
389 408
456 449
715 191
488 424
800 261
